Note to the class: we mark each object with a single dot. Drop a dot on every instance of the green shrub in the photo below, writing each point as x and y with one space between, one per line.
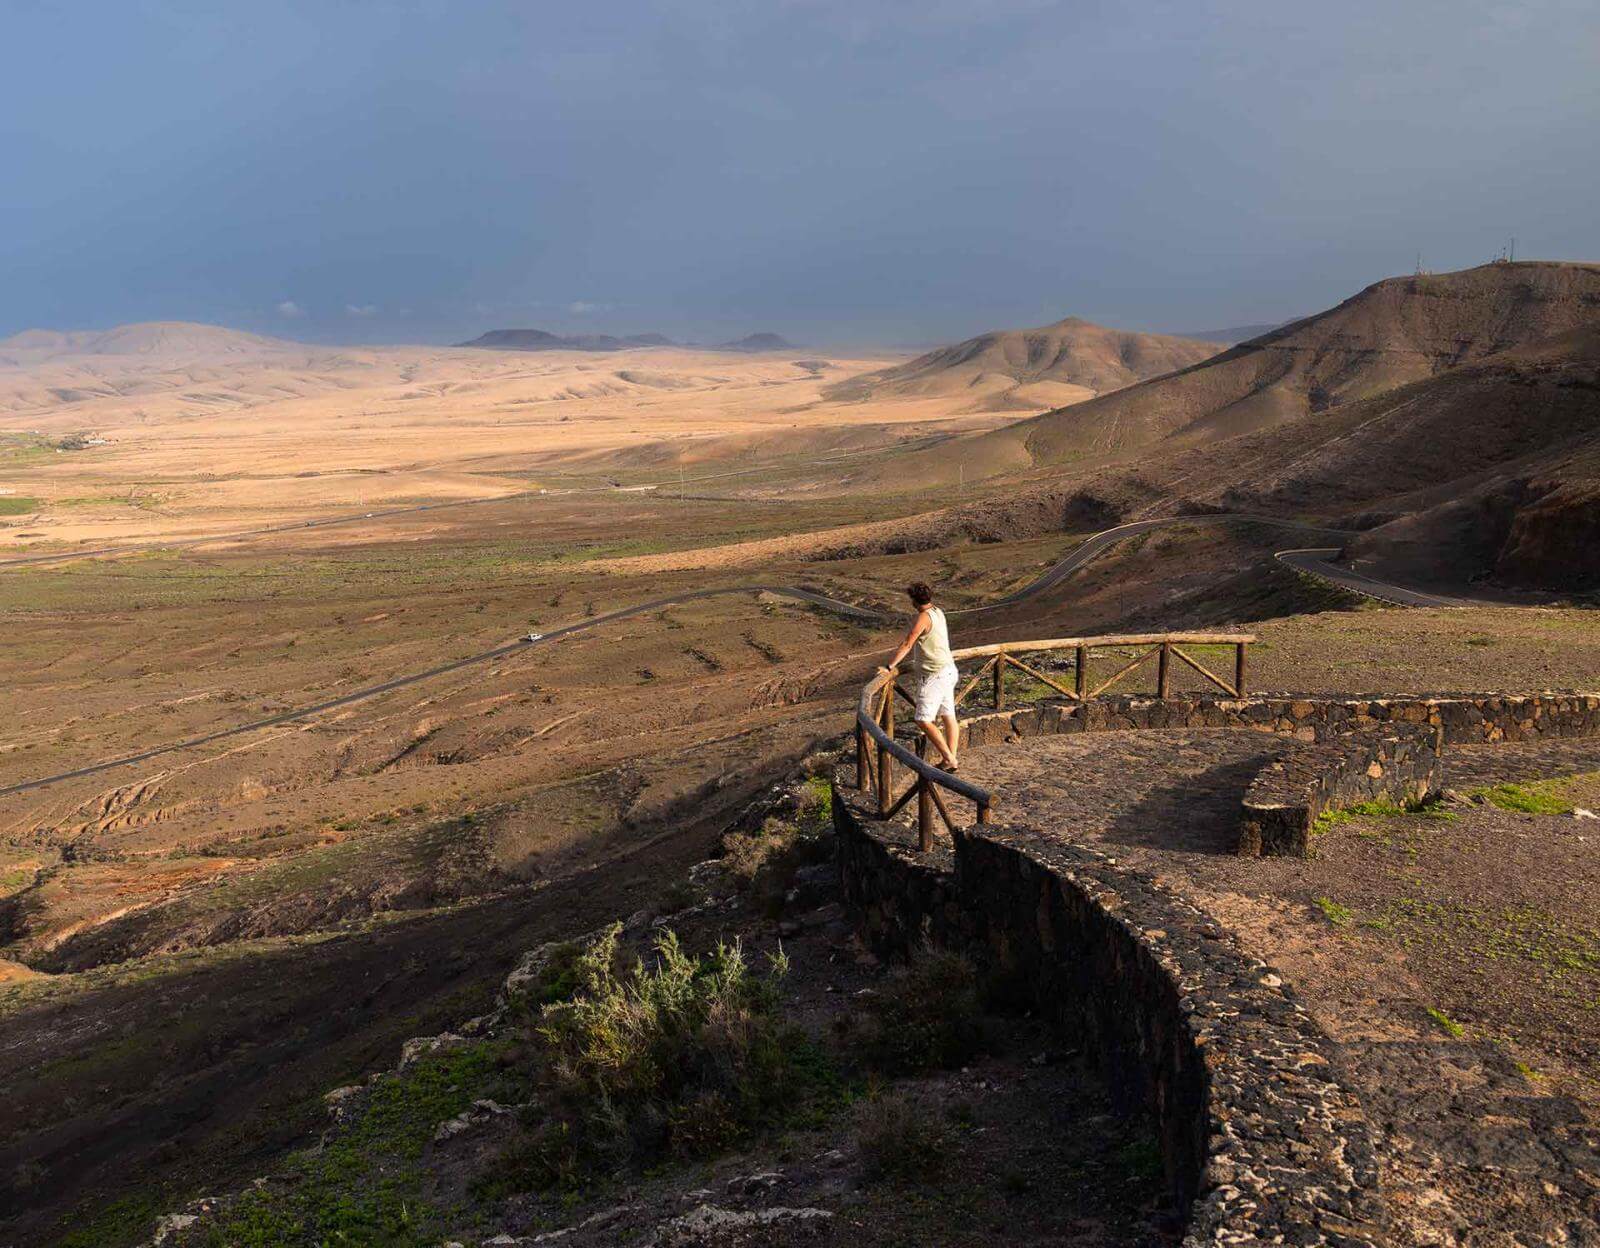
927 1017
763 862
901 1139
678 895
683 1057
816 806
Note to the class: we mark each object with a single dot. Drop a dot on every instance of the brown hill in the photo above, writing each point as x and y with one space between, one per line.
145 338
1025 369
1489 469
1400 330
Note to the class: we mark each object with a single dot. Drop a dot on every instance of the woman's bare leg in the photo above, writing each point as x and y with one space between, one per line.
952 734
932 732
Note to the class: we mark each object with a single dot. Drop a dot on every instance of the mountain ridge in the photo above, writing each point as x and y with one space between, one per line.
1392 332
1025 369
146 338
544 340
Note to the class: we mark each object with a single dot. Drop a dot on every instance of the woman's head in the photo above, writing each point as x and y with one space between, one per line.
920 593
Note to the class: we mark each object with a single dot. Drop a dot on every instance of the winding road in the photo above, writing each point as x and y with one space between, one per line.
1311 560
1315 561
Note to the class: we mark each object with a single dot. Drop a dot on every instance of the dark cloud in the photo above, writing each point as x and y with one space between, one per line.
893 171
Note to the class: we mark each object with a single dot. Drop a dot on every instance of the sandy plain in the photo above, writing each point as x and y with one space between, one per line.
117 448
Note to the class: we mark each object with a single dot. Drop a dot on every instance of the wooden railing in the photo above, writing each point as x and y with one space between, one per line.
877 751
875 721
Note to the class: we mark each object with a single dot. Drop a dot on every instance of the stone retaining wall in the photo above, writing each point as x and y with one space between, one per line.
1260 1137
1396 762
1463 718
1359 749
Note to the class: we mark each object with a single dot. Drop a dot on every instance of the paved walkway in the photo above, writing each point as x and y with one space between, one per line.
1138 796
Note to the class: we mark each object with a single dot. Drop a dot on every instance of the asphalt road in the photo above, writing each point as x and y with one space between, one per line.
1315 561
1311 560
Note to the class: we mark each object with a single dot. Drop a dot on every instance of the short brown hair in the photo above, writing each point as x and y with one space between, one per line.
921 593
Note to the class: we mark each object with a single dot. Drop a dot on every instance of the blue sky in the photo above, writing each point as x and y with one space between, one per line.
835 170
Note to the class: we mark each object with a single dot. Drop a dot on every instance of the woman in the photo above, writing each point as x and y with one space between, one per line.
929 643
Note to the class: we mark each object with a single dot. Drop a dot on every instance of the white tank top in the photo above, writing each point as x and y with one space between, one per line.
932 651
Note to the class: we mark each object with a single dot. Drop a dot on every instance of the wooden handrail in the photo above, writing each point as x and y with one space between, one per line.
867 721
1104 643
875 712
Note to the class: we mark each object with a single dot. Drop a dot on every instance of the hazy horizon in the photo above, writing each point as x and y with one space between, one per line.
891 174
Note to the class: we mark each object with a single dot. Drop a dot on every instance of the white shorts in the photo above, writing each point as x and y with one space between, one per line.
937 695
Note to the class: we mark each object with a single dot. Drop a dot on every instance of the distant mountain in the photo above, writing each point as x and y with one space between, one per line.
1396 331
541 340
1239 333
145 338
47 339
1030 369
758 342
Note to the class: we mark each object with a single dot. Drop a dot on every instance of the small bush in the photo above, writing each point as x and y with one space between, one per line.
816 806
567 966
763 862
901 1139
1140 1159
681 1057
678 895
928 1016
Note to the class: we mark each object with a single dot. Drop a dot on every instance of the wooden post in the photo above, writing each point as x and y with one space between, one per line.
1163 667
924 815
1238 668
983 813
885 759
861 758
1000 681
1082 681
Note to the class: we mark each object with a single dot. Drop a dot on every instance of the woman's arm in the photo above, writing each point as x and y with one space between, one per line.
918 627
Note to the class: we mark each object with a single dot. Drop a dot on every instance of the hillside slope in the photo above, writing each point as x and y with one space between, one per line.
1399 330
1024 369
163 338
1489 469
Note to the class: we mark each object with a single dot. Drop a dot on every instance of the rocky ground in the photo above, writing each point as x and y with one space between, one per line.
192 950
1453 952
1004 1138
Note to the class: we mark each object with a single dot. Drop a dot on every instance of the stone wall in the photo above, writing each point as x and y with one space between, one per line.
1463 718
900 899
1398 763
1260 1137
1358 749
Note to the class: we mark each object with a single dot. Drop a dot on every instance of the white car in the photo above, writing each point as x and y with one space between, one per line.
534 637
